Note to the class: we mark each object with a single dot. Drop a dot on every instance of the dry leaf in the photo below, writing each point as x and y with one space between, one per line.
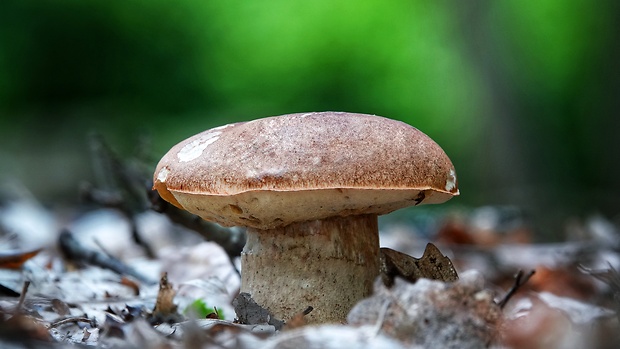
15 259
165 309
432 265
131 284
431 313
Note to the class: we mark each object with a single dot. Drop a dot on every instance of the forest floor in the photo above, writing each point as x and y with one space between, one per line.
123 270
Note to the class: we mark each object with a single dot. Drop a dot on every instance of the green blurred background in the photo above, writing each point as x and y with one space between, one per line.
522 95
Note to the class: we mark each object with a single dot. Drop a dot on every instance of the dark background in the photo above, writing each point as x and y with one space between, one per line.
522 95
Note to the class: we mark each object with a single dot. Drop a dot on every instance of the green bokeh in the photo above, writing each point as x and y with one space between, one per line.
521 95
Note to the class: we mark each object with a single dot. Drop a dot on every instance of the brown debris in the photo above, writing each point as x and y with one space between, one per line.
566 282
213 315
432 265
15 259
77 252
520 280
165 310
131 284
69 320
165 297
23 329
298 320
61 308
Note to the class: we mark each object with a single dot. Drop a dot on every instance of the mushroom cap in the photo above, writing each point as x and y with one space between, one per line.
275 171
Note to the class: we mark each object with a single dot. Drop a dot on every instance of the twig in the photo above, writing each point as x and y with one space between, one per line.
22 296
122 186
231 240
609 276
105 198
381 316
75 251
72 320
115 174
519 281
126 187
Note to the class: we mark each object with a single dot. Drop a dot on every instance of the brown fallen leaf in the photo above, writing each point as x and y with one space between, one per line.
562 281
165 309
432 265
60 307
15 259
23 329
298 320
131 284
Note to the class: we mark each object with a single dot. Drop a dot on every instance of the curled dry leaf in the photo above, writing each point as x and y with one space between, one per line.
165 309
432 265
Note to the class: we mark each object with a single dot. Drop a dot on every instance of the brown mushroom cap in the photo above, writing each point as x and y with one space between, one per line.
275 171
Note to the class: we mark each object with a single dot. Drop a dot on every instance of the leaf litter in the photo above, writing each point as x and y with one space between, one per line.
124 271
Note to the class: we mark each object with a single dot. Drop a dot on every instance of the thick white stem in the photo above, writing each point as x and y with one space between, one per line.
328 264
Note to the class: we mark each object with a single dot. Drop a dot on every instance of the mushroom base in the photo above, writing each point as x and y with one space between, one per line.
327 264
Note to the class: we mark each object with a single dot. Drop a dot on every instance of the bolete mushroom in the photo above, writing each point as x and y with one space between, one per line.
309 188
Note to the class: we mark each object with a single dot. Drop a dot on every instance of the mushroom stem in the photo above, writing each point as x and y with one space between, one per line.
328 264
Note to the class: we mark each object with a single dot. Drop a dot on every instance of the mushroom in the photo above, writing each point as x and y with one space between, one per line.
309 188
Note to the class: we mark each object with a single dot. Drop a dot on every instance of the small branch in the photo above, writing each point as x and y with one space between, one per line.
381 317
22 296
519 281
121 186
72 320
609 276
231 240
75 251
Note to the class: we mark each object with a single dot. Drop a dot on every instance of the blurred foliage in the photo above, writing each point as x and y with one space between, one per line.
199 310
521 94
